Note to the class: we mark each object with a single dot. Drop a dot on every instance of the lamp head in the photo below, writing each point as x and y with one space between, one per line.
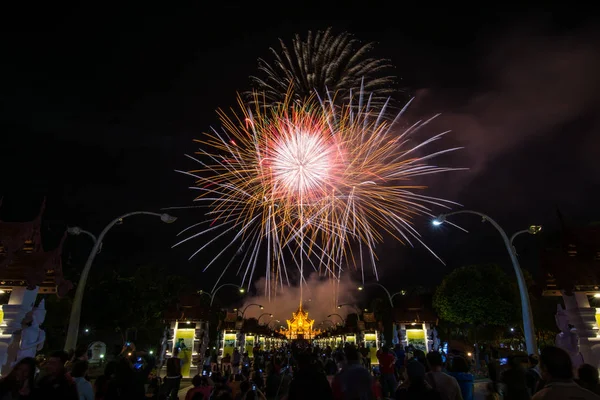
167 219
339 306
270 315
261 307
439 220
360 288
74 230
242 290
535 229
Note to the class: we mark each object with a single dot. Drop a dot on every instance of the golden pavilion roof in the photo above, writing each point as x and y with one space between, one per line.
300 326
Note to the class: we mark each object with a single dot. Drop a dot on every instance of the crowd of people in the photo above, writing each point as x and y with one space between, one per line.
309 372
302 371
65 376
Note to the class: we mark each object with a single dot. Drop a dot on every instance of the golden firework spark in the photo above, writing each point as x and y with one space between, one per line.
310 183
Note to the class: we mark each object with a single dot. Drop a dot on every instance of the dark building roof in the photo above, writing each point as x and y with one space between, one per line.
570 260
188 307
414 308
23 260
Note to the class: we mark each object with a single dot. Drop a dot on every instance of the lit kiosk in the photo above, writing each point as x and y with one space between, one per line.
414 321
571 262
187 333
26 270
300 327
230 336
371 334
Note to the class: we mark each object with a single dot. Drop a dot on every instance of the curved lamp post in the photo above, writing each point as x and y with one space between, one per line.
262 315
528 327
390 296
75 317
333 325
275 321
251 304
353 306
214 292
339 316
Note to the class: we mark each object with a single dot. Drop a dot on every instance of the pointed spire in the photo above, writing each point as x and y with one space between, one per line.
42 209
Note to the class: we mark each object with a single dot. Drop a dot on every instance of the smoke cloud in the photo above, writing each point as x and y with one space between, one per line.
533 88
319 300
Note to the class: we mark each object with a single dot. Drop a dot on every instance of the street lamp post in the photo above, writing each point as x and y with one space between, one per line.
528 326
73 329
275 320
251 304
213 293
333 325
339 316
262 315
390 296
353 306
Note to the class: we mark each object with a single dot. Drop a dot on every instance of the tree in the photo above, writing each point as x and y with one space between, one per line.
134 301
477 295
384 312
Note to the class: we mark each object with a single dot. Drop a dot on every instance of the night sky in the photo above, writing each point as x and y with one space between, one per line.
98 107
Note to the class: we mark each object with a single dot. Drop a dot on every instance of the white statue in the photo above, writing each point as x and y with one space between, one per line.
163 346
98 350
436 340
567 340
33 337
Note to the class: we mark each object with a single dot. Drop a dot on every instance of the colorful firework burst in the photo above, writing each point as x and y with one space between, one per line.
323 62
310 184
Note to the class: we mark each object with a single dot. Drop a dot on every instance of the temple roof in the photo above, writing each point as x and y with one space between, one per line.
299 317
299 324
23 260
414 308
571 260
188 307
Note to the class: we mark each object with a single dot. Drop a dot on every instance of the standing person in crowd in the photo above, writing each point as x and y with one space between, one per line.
533 375
400 359
18 384
446 385
84 387
417 388
460 372
206 363
237 359
234 384
387 363
172 381
514 382
557 372
307 382
588 378
201 385
55 384
354 381
105 381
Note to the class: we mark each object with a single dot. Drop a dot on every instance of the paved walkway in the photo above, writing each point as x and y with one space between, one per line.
183 391
479 392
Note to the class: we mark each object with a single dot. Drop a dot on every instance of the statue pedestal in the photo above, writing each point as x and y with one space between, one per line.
583 318
20 303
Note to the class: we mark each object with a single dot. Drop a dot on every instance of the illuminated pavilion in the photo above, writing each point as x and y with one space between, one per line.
300 327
